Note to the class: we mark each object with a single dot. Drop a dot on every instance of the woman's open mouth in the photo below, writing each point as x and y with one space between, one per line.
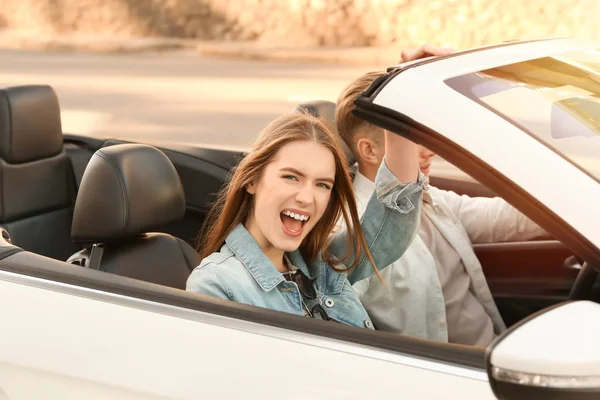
293 222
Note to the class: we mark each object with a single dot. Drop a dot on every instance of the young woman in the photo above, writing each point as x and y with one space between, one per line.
269 240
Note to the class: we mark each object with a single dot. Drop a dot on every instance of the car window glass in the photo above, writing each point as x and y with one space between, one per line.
556 99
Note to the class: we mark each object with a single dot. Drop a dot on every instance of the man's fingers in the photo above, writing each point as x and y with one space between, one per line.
424 51
412 54
438 51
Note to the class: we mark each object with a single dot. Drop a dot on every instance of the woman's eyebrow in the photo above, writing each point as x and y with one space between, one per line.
295 171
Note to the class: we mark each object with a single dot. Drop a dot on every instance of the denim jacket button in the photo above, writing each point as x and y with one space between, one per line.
368 324
329 303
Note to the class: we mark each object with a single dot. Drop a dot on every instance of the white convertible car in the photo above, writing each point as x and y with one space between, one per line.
96 247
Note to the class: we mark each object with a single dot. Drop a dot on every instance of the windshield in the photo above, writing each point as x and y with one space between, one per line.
556 99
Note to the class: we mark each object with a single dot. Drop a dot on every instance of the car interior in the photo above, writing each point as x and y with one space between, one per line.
125 192
136 210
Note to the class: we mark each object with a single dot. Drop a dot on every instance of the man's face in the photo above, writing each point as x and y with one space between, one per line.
425 156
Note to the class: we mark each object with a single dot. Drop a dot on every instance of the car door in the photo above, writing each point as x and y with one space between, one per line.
74 333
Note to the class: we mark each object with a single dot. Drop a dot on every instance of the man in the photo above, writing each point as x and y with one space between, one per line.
437 290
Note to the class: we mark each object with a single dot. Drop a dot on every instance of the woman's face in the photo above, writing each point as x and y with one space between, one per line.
291 195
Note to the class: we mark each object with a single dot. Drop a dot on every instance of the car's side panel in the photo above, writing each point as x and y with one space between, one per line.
525 277
62 342
541 260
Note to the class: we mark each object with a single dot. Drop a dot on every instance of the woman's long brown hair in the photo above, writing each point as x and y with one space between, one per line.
234 203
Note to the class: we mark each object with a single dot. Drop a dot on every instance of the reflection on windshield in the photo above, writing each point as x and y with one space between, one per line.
555 98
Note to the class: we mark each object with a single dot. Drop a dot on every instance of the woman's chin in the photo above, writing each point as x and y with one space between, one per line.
288 244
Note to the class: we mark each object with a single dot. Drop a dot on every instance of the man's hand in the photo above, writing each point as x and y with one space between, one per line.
424 51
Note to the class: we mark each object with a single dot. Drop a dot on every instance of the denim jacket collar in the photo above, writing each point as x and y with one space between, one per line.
247 250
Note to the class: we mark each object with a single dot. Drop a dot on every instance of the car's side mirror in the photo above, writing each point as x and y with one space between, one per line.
554 354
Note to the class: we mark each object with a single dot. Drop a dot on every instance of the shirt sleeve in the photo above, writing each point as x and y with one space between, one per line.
491 220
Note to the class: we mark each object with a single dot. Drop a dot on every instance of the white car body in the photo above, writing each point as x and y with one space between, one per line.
63 338
85 344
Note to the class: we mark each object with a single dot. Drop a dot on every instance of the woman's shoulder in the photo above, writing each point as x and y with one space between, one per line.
217 272
223 260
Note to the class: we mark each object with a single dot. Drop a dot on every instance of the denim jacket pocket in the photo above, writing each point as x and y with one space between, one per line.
334 281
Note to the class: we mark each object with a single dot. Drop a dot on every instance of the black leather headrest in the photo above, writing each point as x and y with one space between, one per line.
126 190
326 109
30 127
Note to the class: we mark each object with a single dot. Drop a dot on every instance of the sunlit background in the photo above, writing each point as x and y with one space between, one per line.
216 72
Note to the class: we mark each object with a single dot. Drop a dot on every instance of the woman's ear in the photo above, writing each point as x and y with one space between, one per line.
251 188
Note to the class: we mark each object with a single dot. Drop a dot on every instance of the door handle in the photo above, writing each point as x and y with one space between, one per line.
573 262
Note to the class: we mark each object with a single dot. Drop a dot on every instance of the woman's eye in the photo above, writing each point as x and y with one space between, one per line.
290 177
324 186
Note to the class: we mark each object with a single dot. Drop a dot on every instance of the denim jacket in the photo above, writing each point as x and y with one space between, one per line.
241 272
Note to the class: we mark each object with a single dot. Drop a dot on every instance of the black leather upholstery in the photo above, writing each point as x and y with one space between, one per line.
155 257
30 127
79 157
37 188
47 234
326 110
126 190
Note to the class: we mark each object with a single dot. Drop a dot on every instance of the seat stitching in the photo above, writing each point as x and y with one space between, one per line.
121 185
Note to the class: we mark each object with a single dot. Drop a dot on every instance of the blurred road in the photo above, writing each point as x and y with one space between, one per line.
176 96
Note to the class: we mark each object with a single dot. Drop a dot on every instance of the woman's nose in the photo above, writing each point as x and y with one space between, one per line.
305 195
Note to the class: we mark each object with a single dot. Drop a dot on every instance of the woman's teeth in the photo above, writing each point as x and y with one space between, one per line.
298 217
